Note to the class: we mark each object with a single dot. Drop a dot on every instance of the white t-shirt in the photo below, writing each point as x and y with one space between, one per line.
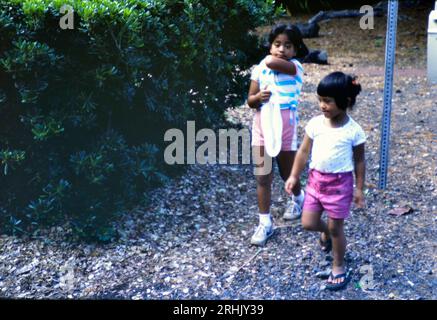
332 147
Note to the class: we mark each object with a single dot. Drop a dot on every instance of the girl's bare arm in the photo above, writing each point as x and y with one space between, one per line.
299 163
281 65
360 166
302 156
360 173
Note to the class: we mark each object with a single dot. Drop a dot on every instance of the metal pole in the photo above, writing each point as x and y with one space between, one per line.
390 50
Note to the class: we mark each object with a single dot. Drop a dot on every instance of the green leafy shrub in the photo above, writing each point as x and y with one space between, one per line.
83 111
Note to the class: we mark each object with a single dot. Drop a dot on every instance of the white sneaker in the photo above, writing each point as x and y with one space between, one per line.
293 211
262 233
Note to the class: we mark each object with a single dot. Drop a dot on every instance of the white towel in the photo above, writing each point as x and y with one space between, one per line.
271 125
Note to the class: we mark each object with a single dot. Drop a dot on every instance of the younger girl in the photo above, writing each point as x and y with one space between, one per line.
336 144
277 79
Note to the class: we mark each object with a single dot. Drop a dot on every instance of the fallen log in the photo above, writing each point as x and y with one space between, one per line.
316 56
327 15
311 28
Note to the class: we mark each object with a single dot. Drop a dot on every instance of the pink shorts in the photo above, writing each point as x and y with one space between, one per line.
289 135
332 192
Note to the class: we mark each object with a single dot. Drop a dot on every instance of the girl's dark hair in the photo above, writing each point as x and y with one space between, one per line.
294 35
340 86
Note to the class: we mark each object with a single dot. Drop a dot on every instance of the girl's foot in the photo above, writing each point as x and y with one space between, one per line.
262 233
338 279
294 210
325 242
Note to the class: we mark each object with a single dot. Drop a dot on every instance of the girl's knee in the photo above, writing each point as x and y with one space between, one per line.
335 230
309 224
264 180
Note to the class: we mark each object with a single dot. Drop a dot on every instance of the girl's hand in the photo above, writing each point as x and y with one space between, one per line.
264 95
290 183
359 198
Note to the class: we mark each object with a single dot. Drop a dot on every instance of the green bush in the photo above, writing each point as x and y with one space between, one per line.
83 112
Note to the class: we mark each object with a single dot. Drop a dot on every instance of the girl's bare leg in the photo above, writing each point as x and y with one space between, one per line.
285 161
336 231
264 181
313 221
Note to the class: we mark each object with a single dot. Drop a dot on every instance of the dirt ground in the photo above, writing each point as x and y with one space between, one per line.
192 241
344 39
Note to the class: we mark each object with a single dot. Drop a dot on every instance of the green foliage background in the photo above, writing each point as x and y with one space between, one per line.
83 112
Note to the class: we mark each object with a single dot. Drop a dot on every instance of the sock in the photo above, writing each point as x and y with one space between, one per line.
265 219
299 198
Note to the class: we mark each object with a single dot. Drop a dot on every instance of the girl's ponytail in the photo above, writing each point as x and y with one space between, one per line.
342 87
354 88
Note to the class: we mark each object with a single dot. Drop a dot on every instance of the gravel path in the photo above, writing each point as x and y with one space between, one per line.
192 241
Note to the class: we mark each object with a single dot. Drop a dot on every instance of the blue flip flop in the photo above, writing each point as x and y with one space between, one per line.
338 286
